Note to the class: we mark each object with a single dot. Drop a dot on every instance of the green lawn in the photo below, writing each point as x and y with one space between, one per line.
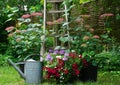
8 76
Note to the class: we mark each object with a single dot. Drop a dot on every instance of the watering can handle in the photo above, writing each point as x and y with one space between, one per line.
14 65
31 56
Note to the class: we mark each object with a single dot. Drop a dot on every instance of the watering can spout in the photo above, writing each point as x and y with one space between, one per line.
18 70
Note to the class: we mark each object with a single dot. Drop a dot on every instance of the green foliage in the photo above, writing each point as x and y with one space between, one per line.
85 1
24 39
110 60
3 60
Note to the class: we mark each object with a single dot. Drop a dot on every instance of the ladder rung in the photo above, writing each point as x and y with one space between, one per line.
54 1
57 35
56 11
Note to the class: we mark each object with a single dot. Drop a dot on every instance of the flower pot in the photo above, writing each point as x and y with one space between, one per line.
89 73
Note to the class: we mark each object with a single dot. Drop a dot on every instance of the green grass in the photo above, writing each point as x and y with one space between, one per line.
9 76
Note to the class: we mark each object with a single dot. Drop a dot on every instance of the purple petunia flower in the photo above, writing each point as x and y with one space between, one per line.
49 57
66 54
56 52
62 52
65 58
50 51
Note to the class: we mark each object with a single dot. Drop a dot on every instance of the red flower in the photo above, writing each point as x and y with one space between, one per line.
48 76
65 71
57 75
80 56
73 55
76 72
75 66
60 63
84 62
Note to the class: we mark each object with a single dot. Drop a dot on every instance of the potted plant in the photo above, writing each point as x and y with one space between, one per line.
62 65
89 69
88 44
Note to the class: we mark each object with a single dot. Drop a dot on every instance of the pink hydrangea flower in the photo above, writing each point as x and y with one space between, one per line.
79 20
60 20
17 31
49 23
24 30
36 14
85 16
87 26
9 28
106 15
25 16
86 38
18 40
10 35
96 36
91 30
83 45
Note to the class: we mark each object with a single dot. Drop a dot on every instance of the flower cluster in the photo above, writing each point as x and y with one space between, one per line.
106 15
62 65
25 16
58 21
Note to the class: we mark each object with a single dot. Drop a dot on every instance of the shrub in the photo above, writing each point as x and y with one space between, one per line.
3 60
25 37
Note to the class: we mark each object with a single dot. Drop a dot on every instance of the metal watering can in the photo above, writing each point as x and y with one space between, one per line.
32 71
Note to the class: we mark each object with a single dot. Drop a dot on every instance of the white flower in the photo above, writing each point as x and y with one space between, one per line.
41 59
59 57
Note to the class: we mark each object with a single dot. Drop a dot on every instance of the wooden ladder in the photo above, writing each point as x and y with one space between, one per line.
54 12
